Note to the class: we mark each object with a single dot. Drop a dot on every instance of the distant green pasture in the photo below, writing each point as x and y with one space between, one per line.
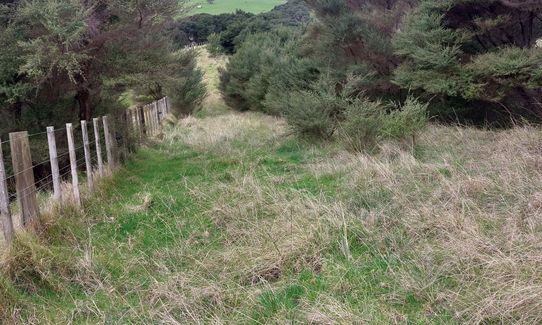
227 6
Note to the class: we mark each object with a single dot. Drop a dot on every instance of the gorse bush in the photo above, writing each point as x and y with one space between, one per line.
406 120
312 113
362 125
213 45
367 122
186 87
473 61
249 74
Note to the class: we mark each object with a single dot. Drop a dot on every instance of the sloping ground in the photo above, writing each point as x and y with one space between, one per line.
229 219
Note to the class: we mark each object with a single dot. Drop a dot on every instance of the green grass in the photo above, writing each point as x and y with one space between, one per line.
228 6
153 225
134 248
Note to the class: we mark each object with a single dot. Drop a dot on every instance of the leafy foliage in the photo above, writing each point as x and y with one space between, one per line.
480 51
256 70
186 85
314 113
61 54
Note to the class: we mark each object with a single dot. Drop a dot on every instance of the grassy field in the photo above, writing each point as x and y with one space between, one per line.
227 6
229 219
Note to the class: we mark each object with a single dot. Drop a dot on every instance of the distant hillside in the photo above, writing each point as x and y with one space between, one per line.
229 6
233 27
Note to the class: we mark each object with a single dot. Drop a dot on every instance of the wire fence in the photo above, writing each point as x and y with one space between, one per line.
75 153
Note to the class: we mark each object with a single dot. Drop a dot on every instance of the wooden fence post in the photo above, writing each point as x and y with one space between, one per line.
73 164
153 118
5 211
168 105
108 143
96 123
142 121
156 116
137 122
24 177
161 109
158 119
125 134
151 124
149 120
145 120
88 160
53 158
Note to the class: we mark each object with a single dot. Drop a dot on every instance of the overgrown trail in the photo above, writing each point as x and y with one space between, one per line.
229 219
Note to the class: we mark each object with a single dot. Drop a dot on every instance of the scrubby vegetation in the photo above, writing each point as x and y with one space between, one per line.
473 62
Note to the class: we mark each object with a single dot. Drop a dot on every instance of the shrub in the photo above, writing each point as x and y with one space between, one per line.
313 114
246 80
406 121
214 46
368 122
186 87
363 120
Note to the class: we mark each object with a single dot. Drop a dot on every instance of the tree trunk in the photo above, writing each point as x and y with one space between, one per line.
18 110
83 100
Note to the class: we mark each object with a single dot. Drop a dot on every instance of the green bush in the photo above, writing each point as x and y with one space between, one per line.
313 114
363 121
186 87
368 122
248 75
213 45
406 120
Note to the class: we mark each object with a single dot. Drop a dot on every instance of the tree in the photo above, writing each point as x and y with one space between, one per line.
77 48
481 52
354 37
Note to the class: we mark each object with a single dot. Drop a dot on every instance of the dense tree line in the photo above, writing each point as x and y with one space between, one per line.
198 28
225 32
474 61
72 59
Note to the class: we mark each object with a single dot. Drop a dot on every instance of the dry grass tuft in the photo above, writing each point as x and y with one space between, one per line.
170 120
144 202
31 265
329 311
267 231
219 132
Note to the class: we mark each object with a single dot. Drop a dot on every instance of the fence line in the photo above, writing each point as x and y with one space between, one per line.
139 122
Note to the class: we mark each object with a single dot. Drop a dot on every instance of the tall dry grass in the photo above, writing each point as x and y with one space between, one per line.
458 222
464 215
468 210
265 235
